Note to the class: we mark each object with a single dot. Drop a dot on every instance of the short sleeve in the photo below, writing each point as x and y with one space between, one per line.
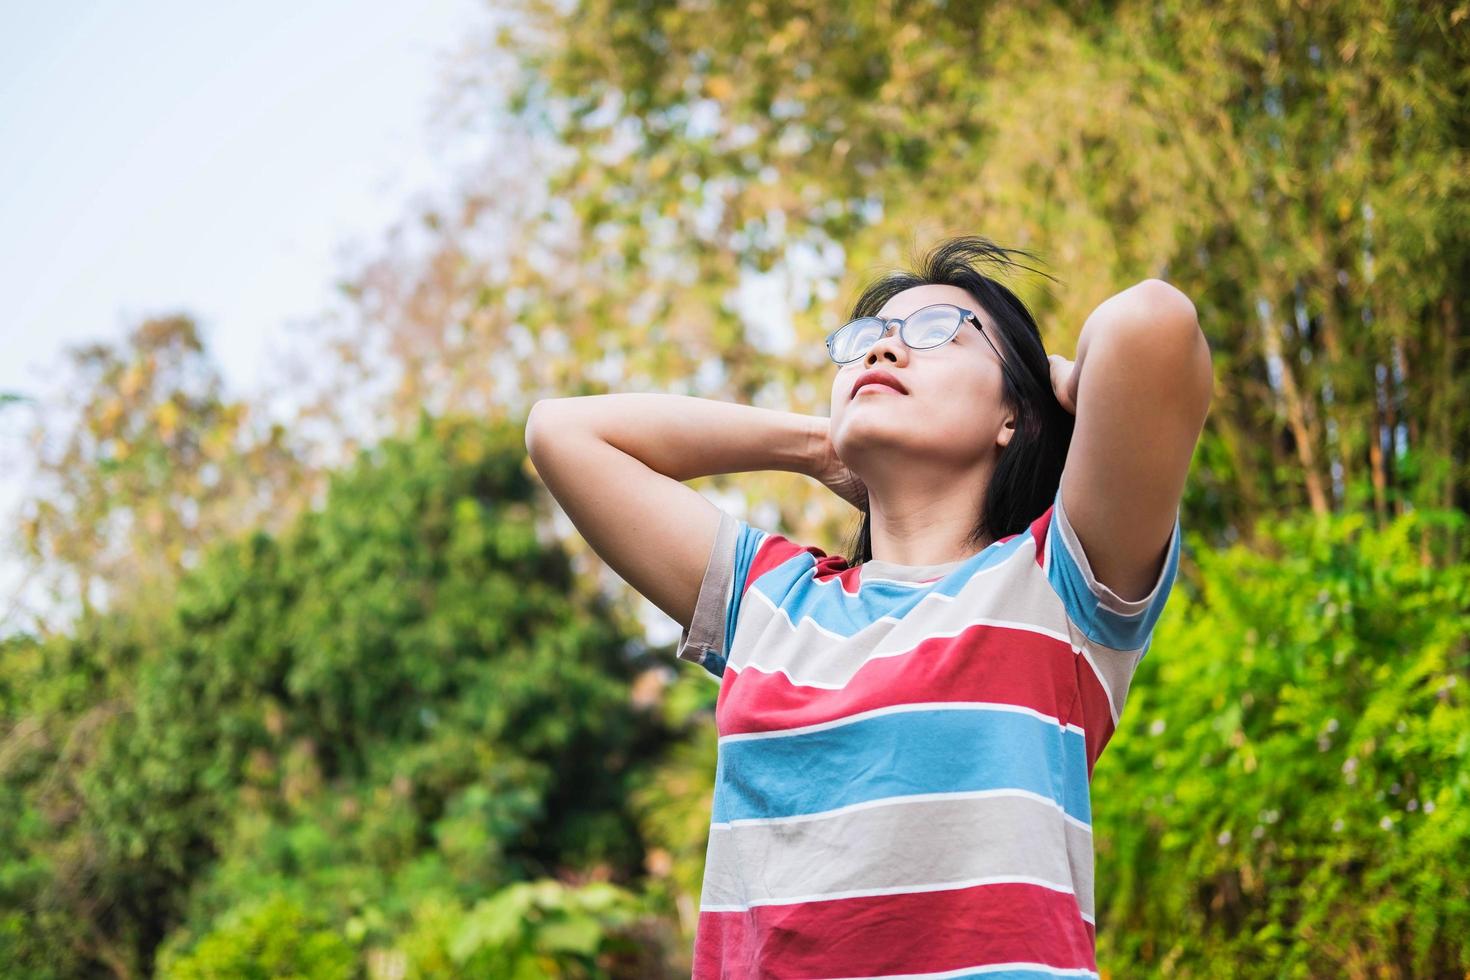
706 641
1099 612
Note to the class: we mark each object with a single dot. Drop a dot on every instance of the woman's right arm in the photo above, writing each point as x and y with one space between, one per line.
615 463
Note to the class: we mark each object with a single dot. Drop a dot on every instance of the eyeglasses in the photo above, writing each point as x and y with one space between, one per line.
922 329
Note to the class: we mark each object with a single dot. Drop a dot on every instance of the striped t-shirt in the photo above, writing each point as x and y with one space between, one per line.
905 755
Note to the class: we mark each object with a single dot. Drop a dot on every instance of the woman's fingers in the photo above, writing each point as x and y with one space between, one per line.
1061 380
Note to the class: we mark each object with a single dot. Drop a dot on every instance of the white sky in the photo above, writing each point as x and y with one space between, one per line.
209 158
212 159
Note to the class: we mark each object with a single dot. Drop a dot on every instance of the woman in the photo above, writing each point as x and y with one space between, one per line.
907 736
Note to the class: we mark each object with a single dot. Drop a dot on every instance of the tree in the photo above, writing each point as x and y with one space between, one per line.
138 463
1299 170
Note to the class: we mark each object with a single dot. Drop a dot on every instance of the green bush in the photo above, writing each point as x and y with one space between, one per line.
1287 792
405 697
276 940
673 800
537 929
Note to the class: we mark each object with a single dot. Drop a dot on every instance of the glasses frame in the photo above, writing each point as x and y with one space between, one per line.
902 322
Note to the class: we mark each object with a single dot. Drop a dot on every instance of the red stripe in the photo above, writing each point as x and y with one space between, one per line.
1038 531
776 550
983 663
1093 713
835 566
922 932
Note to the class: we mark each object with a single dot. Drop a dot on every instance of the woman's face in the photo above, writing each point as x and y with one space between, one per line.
952 410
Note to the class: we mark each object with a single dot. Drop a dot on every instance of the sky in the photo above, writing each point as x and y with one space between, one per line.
220 160
214 159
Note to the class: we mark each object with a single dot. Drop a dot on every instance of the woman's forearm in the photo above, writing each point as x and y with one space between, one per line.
684 437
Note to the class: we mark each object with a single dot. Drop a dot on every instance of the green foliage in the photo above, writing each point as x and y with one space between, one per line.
1289 791
673 801
277 939
402 699
532 930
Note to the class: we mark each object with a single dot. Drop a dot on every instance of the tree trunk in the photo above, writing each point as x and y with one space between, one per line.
1296 418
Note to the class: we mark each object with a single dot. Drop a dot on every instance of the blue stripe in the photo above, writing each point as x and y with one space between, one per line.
747 543
792 587
1099 623
714 663
900 754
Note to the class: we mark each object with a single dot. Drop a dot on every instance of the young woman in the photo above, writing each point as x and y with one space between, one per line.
907 735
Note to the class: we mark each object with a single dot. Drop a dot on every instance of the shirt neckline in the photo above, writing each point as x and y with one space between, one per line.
915 573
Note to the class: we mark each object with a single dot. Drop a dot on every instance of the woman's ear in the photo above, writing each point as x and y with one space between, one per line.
1003 437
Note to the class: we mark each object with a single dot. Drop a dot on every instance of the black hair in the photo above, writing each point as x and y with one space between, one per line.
1029 468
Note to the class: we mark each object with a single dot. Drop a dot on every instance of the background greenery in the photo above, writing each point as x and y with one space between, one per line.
346 696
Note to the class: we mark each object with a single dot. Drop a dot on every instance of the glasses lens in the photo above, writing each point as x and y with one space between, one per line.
931 326
853 340
925 328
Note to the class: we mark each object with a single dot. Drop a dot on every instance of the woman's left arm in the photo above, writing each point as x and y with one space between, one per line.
1140 388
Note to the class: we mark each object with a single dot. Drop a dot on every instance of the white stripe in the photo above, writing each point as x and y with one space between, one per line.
900 582
894 709
1046 556
905 583
812 624
1056 971
977 794
902 890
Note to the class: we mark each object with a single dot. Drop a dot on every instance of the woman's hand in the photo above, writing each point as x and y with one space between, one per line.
1061 381
835 476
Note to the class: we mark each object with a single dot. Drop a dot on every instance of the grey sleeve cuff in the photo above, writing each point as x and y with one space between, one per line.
703 640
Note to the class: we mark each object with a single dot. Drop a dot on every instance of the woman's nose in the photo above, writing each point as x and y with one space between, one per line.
886 343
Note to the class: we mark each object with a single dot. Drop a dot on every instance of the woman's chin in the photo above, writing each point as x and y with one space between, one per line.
875 445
